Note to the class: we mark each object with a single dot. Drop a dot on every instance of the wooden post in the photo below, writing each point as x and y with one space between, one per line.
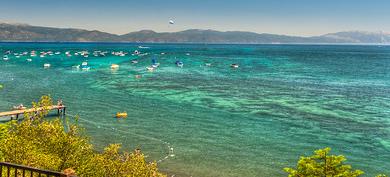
17 116
64 110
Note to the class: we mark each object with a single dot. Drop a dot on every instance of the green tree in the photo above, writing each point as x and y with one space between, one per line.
42 143
113 163
322 164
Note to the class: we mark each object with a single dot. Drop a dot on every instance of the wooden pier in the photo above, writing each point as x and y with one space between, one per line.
16 113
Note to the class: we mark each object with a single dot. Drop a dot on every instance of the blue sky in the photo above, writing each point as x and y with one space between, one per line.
291 17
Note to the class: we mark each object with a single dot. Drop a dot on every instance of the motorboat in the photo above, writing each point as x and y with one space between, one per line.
150 68
29 59
179 64
134 61
5 58
136 52
234 65
84 66
46 65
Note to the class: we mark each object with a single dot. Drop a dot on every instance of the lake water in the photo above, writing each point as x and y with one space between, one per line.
283 101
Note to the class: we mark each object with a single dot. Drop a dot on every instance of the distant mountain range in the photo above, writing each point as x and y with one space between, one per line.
28 33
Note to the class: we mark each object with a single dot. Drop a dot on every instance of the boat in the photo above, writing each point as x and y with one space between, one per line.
5 58
121 115
84 66
155 64
134 61
46 65
179 63
142 47
208 64
114 66
19 107
150 68
136 52
29 60
76 67
234 65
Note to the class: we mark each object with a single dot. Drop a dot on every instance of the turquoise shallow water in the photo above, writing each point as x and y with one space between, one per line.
282 102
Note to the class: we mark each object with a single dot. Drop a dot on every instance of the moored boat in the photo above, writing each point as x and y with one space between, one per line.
46 65
179 63
234 65
84 66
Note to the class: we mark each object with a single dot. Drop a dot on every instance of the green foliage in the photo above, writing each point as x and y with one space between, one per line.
114 163
41 108
323 164
45 144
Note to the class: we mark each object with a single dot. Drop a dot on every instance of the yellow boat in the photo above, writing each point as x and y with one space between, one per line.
121 115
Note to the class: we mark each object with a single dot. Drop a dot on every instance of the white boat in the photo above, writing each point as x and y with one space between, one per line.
5 58
150 68
29 60
84 66
46 65
134 61
208 64
136 52
234 65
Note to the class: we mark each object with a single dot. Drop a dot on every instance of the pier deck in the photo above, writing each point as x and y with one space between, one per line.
22 111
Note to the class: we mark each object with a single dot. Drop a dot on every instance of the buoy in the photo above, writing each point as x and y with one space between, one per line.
114 66
121 115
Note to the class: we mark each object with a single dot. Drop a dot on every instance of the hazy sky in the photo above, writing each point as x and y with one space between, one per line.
292 17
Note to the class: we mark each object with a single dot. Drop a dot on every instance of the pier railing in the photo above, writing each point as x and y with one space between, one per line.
13 170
